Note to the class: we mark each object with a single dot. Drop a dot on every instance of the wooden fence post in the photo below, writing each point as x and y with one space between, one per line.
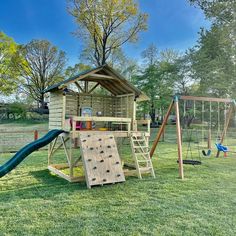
36 135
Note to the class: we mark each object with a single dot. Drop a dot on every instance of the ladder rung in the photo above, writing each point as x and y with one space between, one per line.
140 146
145 168
143 161
141 153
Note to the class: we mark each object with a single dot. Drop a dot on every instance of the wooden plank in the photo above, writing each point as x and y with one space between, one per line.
94 87
207 99
55 106
79 78
59 173
79 87
55 115
57 110
101 159
55 123
179 140
103 118
101 76
108 87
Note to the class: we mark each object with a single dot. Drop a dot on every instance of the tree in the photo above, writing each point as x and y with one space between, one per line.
185 83
150 54
157 80
43 66
106 25
213 59
76 69
8 79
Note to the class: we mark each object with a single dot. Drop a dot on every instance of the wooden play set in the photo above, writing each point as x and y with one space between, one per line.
227 106
95 109
92 112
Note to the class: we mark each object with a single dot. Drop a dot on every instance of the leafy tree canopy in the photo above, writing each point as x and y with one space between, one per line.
8 77
106 25
43 66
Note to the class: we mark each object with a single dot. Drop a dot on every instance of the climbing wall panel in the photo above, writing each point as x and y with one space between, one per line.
101 159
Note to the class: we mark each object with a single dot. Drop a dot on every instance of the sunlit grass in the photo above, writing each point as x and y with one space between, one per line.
35 202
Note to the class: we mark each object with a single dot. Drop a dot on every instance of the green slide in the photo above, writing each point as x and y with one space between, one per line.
27 150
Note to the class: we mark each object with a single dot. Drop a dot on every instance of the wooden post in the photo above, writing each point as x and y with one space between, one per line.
86 86
63 111
36 135
225 128
178 131
157 139
134 123
209 139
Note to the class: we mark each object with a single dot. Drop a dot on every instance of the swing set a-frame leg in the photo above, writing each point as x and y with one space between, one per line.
179 139
161 130
225 128
174 103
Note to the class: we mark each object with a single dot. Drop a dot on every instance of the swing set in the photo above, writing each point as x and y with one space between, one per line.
229 105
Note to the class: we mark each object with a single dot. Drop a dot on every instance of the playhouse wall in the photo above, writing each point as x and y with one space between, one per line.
55 110
109 106
124 106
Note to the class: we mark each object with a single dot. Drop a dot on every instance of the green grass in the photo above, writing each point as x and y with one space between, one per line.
14 135
23 125
35 202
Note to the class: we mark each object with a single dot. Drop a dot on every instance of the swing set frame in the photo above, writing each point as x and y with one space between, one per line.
175 105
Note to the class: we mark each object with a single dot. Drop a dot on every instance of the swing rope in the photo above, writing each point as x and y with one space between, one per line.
208 152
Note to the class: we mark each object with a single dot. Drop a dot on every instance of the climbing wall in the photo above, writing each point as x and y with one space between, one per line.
101 159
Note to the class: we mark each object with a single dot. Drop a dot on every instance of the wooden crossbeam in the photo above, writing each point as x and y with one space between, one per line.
100 76
94 87
205 99
79 87
79 78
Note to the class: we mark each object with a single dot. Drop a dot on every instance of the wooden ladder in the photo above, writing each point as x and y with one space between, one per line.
140 152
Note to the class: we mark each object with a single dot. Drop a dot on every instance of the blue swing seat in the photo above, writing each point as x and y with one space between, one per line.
221 148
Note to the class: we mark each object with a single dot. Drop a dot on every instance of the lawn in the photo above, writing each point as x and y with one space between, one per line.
35 202
15 134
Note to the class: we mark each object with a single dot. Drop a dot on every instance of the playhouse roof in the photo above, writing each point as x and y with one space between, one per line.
105 76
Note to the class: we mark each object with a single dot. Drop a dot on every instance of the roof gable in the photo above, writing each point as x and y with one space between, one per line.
107 77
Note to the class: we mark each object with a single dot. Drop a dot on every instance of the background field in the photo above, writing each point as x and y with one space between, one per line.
35 202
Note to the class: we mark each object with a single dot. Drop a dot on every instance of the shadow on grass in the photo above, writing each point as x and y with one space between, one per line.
47 186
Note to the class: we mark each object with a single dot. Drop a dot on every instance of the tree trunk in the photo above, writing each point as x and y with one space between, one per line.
41 101
152 114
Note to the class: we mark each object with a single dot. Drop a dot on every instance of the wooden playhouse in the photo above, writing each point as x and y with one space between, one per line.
95 109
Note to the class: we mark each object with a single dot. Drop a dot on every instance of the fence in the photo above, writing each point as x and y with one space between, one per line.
12 141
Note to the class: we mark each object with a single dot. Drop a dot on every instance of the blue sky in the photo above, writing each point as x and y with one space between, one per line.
171 24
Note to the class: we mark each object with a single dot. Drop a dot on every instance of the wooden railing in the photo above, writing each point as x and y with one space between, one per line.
119 120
